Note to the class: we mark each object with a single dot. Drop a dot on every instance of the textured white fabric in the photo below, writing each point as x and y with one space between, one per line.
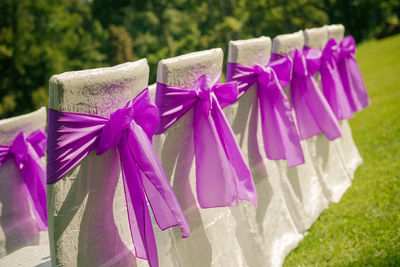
348 150
18 227
29 256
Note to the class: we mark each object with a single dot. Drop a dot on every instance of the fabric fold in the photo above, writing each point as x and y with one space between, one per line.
332 85
26 153
313 113
222 176
72 136
281 140
350 74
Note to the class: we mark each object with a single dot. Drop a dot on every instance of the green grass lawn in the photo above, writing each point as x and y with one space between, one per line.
363 229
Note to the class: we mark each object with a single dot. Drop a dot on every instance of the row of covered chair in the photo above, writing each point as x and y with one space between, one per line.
125 159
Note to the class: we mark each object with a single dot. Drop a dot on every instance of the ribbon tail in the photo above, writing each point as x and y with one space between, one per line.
321 111
33 174
305 121
271 134
166 208
334 92
354 84
214 175
242 175
138 213
281 140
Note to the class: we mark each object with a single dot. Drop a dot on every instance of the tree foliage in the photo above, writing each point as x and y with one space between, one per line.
39 38
120 45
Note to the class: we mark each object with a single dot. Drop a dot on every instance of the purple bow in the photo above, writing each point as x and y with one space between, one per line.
72 136
281 140
351 75
331 82
27 153
313 112
222 176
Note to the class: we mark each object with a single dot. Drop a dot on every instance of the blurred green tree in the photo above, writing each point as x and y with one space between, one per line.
41 38
120 45
363 19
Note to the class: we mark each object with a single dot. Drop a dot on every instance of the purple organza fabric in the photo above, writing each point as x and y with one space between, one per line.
222 176
313 112
332 86
279 132
72 136
26 152
351 75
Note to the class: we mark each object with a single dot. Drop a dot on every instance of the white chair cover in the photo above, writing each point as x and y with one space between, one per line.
88 224
29 256
18 227
327 159
220 236
304 191
345 145
271 221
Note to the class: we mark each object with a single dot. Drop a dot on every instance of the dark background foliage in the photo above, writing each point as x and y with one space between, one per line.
39 38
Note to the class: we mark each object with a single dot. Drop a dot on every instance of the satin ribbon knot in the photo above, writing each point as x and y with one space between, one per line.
72 136
211 93
222 176
279 132
329 56
330 51
204 90
260 70
299 63
346 48
265 75
19 149
26 153
122 121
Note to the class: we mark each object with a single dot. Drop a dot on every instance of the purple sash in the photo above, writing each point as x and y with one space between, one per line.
281 140
351 75
331 82
72 136
313 112
222 176
26 153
